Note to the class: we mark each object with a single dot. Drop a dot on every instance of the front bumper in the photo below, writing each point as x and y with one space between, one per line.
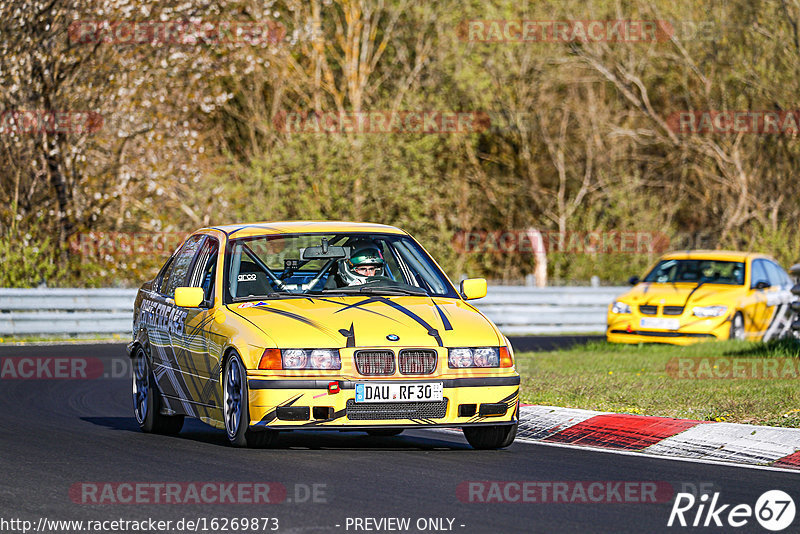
291 404
625 328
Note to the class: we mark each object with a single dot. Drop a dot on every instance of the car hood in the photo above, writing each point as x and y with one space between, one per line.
677 294
369 321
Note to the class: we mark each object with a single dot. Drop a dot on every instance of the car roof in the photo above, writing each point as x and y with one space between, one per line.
731 255
302 227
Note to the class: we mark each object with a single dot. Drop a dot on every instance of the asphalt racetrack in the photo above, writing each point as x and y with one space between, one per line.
70 449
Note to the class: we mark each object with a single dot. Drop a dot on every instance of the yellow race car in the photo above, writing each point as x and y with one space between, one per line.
268 327
700 295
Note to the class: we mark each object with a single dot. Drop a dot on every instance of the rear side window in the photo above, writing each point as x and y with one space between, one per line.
163 275
777 277
181 263
205 268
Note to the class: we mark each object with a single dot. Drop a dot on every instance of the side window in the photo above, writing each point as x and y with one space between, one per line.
775 274
163 275
205 268
786 278
181 264
759 273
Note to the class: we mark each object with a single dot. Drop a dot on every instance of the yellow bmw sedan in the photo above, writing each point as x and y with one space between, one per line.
702 295
270 327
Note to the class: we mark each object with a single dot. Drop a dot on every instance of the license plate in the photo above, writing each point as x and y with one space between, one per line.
409 392
659 323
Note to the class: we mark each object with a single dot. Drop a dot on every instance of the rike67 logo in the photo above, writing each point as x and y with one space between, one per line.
774 510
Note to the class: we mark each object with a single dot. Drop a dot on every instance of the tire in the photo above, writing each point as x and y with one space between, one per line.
236 409
737 327
385 432
147 401
490 437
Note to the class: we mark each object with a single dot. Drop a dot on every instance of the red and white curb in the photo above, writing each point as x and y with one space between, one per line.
662 436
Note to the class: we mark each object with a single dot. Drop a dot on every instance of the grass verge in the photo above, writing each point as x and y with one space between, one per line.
648 380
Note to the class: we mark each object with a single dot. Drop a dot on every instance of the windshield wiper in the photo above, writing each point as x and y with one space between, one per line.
393 291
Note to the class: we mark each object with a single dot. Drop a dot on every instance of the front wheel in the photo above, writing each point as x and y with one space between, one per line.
490 437
737 327
237 409
146 401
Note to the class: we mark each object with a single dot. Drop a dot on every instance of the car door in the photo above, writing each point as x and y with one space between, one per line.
172 369
778 300
759 310
201 346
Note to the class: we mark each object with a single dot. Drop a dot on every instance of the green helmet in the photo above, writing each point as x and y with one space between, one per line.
363 254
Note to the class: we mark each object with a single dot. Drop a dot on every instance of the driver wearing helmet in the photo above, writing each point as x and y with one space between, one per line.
365 261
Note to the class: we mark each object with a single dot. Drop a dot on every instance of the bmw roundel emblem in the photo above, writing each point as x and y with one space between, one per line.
392 337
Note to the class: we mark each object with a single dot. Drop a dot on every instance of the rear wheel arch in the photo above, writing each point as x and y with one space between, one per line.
147 397
135 345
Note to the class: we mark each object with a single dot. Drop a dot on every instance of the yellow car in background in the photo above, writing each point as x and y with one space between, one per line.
271 327
701 295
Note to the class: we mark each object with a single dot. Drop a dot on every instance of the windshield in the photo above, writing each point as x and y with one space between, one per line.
698 271
278 266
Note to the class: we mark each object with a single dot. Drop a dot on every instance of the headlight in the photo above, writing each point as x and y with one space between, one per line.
709 311
474 357
620 307
311 359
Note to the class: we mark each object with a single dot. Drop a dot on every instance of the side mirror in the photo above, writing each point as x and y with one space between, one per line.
473 288
761 284
633 280
189 297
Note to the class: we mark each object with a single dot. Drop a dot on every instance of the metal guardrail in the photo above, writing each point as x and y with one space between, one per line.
65 311
515 309
549 310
